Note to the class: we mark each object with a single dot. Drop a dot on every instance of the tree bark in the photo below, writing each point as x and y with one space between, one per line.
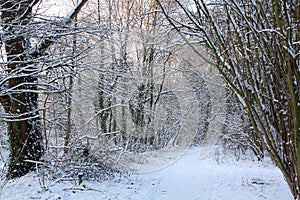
19 94
24 131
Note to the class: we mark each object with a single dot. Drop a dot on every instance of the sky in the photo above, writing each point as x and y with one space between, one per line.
55 7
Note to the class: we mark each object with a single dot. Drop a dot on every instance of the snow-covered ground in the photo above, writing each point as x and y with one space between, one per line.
188 178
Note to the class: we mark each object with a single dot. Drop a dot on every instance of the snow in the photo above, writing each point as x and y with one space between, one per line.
188 178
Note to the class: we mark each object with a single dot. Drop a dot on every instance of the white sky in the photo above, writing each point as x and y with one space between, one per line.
59 8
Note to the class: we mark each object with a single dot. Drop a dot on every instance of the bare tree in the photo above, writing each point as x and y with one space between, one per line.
24 60
139 85
132 52
255 46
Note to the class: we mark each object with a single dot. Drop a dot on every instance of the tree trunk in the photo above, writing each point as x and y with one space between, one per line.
24 126
24 131
20 99
19 93
25 136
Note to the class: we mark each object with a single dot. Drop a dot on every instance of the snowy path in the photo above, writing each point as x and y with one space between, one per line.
189 178
193 179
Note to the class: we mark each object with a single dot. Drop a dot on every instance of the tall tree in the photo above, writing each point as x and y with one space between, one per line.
24 50
255 46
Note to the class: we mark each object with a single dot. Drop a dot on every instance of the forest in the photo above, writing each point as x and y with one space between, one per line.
101 87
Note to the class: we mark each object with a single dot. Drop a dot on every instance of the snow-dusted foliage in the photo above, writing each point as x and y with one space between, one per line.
255 46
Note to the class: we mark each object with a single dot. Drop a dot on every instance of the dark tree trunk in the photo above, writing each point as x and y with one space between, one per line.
25 136
20 93
24 128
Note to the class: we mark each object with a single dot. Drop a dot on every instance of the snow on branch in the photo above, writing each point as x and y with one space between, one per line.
48 41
